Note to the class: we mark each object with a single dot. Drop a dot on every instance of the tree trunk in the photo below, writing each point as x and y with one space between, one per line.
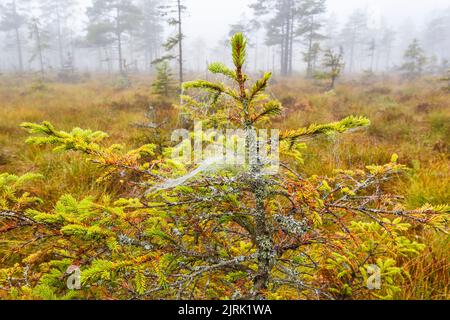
119 47
100 60
264 241
388 58
352 54
119 40
180 42
19 50
291 46
263 234
309 55
285 63
18 41
282 51
333 83
372 55
60 44
39 47
256 53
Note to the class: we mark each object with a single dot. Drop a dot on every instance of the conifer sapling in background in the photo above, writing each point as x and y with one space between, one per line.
164 84
446 80
333 63
415 60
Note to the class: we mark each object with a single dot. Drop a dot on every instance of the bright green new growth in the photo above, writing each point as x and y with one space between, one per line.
254 104
239 50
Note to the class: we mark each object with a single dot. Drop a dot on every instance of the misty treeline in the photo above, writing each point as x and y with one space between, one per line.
286 36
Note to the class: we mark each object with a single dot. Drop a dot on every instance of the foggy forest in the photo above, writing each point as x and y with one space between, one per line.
111 36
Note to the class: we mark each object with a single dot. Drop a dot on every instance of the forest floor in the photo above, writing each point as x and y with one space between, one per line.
409 119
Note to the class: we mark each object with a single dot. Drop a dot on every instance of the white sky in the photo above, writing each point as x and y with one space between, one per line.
210 19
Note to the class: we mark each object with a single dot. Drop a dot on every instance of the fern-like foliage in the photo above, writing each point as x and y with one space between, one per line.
78 139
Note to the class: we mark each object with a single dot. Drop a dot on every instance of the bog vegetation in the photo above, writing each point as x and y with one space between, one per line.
351 194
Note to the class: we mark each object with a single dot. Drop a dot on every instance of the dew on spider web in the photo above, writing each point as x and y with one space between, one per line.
208 165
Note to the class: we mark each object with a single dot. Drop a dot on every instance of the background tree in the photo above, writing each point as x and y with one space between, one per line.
310 29
287 20
407 31
110 20
55 15
98 38
334 64
164 83
437 33
446 80
331 31
175 10
387 43
432 65
372 49
150 31
198 49
40 38
353 37
280 26
415 60
311 57
12 18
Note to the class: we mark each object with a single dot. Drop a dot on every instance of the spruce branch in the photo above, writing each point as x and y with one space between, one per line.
220 68
270 109
260 85
205 85
349 123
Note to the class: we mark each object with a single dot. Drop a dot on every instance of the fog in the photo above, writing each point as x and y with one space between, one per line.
52 35
220 14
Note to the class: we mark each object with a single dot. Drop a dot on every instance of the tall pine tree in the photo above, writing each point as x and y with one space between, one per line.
13 18
111 21
415 60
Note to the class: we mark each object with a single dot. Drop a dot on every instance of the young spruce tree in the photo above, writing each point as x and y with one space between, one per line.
333 63
164 84
226 233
